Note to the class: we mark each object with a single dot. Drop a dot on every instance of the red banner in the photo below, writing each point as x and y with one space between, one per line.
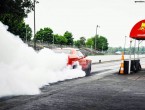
138 31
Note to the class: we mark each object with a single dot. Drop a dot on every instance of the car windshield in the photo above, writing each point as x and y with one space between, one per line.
66 51
79 54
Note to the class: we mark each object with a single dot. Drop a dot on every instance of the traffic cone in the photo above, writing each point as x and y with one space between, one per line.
122 64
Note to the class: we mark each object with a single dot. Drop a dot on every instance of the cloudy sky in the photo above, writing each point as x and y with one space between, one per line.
115 18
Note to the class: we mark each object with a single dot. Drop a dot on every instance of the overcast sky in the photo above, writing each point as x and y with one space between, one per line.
115 18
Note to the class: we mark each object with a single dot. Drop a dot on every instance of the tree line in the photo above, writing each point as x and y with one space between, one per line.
46 35
132 50
13 12
97 42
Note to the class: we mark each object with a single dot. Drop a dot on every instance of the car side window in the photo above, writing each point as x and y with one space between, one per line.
79 54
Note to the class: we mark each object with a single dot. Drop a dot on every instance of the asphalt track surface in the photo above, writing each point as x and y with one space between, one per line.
111 92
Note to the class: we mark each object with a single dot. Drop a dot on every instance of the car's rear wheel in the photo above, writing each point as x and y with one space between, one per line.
88 70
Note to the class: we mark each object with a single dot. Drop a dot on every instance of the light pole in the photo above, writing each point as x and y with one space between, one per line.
34 24
34 27
96 35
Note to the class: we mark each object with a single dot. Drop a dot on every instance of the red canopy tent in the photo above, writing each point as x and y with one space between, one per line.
138 31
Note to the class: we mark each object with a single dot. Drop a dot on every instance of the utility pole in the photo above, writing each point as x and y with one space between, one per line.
34 27
96 36
34 24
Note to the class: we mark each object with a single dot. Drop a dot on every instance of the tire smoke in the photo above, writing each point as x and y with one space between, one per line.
23 71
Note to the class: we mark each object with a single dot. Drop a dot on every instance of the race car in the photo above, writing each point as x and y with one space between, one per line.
76 57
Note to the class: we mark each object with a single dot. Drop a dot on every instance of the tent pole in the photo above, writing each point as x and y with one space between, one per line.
138 49
134 48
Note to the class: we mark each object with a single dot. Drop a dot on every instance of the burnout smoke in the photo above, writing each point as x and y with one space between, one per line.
24 71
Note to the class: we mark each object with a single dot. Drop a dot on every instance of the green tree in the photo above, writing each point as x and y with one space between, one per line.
89 42
56 38
61 40
77 43
13 12
69 37
17 9
95 42
82 41
28 34
24 31
45 35
102 43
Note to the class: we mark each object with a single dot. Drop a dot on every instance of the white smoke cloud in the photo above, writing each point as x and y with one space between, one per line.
24 71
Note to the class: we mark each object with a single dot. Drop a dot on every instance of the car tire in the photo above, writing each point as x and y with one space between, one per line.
88 70
74 66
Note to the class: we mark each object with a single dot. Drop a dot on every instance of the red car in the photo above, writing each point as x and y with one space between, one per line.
75 55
